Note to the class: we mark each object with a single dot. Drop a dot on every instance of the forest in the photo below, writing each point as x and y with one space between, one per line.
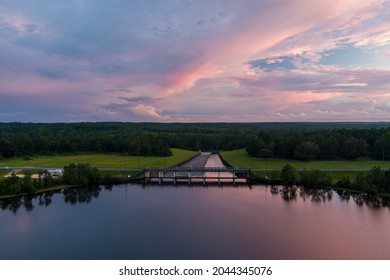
302 141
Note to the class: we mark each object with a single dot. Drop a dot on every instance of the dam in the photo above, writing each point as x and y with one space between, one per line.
204 169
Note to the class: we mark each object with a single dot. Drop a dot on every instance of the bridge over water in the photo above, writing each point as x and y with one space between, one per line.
197 175
205 168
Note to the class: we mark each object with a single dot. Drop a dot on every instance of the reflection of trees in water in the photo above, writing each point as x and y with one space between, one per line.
11 204
290 193
371 200
81 195
316 195
323 195
344 195
87 194
70 195
28 204
45 199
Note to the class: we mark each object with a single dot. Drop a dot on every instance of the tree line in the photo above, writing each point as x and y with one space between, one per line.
14 185
18 139
82 175
375 181
322 144
304 141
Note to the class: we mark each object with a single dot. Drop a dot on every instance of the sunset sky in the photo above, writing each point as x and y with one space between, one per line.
194 60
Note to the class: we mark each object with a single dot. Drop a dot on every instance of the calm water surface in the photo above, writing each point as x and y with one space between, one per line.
132 222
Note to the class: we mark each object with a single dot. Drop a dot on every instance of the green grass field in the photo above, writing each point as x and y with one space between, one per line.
237 158
240 158
102 160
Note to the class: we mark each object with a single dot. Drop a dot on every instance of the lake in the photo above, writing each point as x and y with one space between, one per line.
136 222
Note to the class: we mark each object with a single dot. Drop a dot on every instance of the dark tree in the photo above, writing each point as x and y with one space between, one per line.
289 176
382 147
80 175
307 151
314 179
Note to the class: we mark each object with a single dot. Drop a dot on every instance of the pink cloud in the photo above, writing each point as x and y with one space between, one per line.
149 112
263 34
305 97
198 61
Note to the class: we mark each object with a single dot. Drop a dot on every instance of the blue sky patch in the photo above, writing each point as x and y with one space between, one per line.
272 64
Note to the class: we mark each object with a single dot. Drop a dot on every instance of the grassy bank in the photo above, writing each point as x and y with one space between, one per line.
272 169
240 158
101 160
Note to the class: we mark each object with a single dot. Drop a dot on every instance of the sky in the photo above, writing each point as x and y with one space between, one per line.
194 60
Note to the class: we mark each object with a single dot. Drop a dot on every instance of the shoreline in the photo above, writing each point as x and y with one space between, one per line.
203 159
134 180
